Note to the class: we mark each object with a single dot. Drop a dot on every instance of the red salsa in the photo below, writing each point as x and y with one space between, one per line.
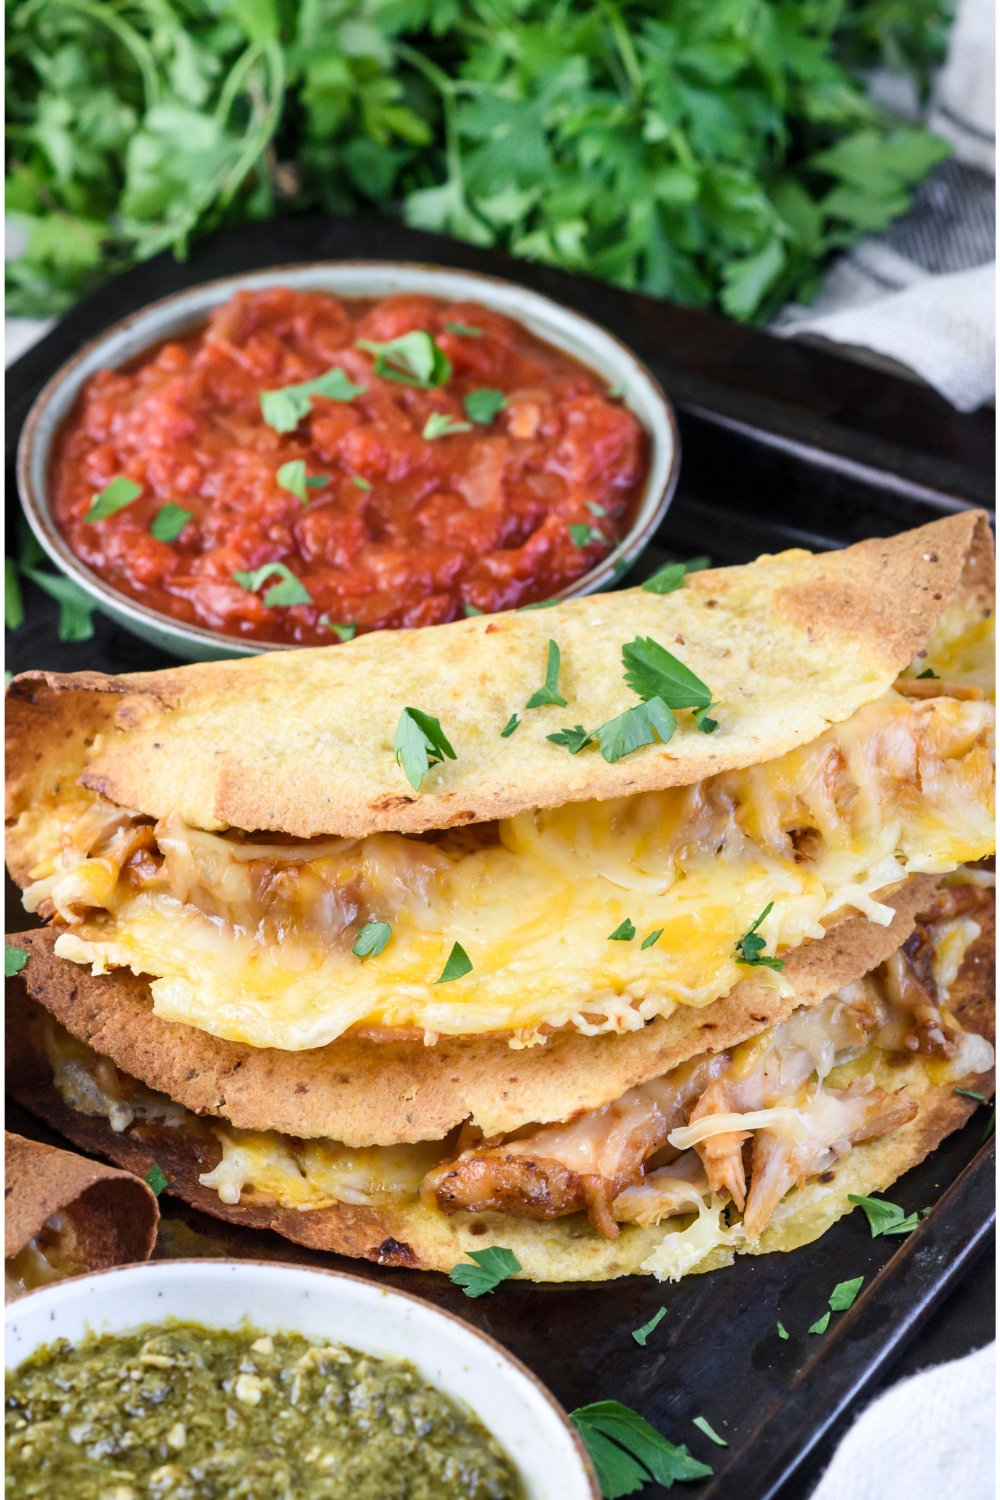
412 501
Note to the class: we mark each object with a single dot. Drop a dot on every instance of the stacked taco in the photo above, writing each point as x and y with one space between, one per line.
630 934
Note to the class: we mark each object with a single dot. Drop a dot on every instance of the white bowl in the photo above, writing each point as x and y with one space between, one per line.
591 345
469 1367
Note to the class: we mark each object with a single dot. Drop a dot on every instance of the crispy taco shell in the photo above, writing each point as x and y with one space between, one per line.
301 741
567 1249
366 1093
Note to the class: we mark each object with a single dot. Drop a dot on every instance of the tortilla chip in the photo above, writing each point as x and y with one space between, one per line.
566 1249
301 741
114 1215
366 1093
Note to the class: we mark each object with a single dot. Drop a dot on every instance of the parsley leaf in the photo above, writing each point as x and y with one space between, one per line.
362 484
465 330
439 425
113 498
168 523
582 535
156 1178
290 590
821 1324
628 1452
549 693
342 632
635 727
469 610
491 1267
284 409
750 948
971 1094
13 604
843 1295
482 405
372 939
413 359
76 608
541 604
573 739
652 672
317 481
642 1334
624 933
459 964
671 575
884 1218
706 1427
782 1333
292 477
420 743
511 724
14 960
648 942
929 673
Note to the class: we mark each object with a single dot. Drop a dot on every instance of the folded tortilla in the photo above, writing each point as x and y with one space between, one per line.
64 1215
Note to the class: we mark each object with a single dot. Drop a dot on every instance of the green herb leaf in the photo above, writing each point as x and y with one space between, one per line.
635 727
168 523
156 1178
317 481
292 477
511 724
633 1442
465 330
469 610
542 604
750 948
290 590
706 1427
928 673
703 722
342 632
573 739
671 575
652 672
13 604
583 536
821 1324
458 964
549 693
844 1293
782 1334
413 359
420 743
883 1217
990 1126
372 939
439 425
623 933
14 960
491 1267
642 1334
113 498
648 942
971 1094
76 608
596 510
362 484
284 409
482 405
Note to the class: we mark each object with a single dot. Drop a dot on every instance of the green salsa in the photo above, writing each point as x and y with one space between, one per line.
178 1411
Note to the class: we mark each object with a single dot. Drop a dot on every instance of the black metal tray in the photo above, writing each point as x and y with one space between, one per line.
782 446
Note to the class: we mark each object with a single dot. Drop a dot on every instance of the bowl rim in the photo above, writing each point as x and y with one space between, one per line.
39 515
63 1291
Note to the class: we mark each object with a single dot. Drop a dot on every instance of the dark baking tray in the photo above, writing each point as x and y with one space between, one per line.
783 445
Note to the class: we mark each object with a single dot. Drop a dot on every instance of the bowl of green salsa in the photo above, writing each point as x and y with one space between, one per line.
205 1380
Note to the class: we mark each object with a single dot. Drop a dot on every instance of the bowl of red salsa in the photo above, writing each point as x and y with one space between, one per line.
297 456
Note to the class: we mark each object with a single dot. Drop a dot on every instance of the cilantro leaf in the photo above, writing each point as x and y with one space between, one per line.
168 523
459 964
549 692
703 1425
420 743
782 1333
491 1267
512 724
844 1293
652 672
642 1334
113 498
541 604
13 604
465 330
14 960
362 484
623 933
883 1217
582 535
317 481
413 359
821 1324
929 673
574 739
671 575
439 425
482 405
291 590
156 1178
284 409
76 608
372 939
750 947
633 1443
648 942
469 610
342 632
292 477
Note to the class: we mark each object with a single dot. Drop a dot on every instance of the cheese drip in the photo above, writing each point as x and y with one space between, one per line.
252 941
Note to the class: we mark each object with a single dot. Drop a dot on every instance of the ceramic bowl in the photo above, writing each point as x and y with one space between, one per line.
469 1367
175 315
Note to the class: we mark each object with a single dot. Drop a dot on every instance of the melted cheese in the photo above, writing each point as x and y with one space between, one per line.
315 1174
253 942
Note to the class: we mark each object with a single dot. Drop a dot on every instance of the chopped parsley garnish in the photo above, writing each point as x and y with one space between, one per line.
648 942
419 744
652 672
542 604
549 692
573 739
624 933
113 498
642 1334
372 939
284 409
705 1426
491 1267
782 1332
616 392
413 359
628 1453
635 727
14 960
582 535
470 610
13 603
362 484
459 963
821 1324
317 481
481 406
971 1094
928 673
511 724
596 510
156 1178
290 590
439 425
843 1295
750 948
342 632
465 330
292 477
885 1218
168 523
76 608
671 575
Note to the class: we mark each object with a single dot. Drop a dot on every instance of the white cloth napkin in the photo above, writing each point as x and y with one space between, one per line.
929 1438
